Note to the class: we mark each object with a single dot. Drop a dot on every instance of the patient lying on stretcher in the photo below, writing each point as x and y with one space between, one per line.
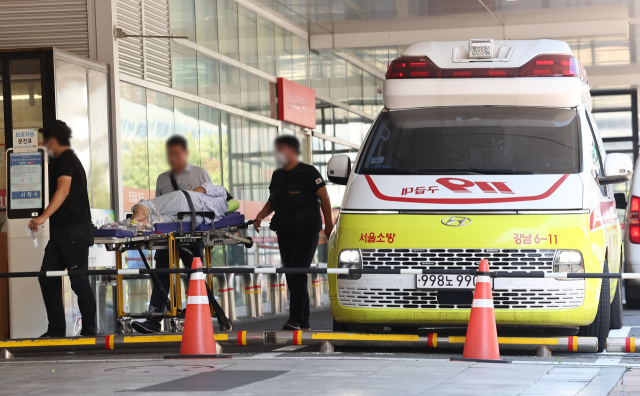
165 208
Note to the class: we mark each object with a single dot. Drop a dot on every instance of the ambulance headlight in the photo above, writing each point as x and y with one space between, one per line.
350 258
569 261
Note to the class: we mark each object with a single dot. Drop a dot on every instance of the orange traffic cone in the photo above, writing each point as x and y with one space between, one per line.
198 341
481 343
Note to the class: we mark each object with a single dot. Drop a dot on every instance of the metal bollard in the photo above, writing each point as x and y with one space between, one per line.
257 294
223 291
231 295
249 297
316 290
310 290
282 283
274 293
621 344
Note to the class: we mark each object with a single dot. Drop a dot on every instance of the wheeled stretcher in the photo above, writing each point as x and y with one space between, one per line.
229 230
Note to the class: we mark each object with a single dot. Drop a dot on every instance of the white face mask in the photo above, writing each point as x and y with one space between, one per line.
281 158
50 153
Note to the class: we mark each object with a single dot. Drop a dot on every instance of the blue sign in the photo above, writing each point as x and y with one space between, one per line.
25 194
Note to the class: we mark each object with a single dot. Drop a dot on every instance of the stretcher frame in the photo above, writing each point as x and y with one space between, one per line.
173 241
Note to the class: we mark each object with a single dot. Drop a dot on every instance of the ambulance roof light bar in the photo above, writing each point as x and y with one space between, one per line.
541 66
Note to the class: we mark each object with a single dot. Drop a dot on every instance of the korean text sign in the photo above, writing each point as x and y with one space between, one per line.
296 103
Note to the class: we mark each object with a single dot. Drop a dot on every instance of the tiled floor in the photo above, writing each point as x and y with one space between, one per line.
310 374
629 384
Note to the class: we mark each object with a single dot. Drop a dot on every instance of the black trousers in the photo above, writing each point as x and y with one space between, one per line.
296 251
68 249
162 261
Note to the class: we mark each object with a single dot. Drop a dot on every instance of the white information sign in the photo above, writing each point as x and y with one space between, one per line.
26 189
25 140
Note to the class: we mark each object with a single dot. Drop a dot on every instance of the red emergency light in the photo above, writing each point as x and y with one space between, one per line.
634 220
540 66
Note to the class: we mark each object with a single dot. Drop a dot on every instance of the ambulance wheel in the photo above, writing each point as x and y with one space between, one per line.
616 308
600 326
340 326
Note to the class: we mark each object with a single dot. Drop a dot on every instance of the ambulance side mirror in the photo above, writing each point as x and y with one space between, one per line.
618 168
339 169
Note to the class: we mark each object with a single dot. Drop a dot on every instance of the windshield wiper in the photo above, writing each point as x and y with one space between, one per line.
459 171
397 171
478 171
499 171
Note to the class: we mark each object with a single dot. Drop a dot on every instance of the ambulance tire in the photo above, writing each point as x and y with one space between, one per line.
340 326
616 308
600 326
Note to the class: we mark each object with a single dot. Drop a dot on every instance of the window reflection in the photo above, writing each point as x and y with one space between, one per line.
208 78
266 46
133 136
184 69
230 85
160 126
187 125
228 28
283 53
248 36
181 15
26 93
249 92
206 24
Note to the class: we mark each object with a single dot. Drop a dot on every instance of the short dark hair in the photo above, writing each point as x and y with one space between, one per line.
177 140
289 141
58 130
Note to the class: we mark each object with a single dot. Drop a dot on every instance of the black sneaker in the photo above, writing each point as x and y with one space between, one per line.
146 327
288 326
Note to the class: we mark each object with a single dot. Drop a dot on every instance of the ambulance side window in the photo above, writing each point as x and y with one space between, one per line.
597 163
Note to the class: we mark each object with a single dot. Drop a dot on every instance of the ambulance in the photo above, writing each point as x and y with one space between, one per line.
484 150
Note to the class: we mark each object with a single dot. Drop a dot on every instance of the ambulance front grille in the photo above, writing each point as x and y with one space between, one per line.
441 259
544 297
552 298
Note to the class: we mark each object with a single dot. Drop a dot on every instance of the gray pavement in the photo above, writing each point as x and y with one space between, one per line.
270 370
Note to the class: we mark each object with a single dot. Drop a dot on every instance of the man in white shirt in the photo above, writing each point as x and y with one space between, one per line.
182 176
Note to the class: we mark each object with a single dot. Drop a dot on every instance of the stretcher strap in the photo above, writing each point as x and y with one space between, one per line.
193 210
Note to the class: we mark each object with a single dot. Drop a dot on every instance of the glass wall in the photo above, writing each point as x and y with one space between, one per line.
185 77
342 124
82 102
237 32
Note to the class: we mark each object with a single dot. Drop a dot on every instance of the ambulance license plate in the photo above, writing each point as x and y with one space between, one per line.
435 282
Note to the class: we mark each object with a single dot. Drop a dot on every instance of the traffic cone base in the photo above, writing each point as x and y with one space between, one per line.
454 359
197 357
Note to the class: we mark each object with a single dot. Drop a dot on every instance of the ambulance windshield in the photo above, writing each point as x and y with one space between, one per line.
473 140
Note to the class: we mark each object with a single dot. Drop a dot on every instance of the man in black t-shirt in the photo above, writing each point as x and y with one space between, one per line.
294 192
71 232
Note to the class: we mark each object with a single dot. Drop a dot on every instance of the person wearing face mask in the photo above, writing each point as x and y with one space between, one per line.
71 232
294 193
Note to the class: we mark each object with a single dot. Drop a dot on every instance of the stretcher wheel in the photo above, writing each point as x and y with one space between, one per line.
249 245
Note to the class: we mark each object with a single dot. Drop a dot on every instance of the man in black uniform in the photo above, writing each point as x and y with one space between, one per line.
294 192
71 233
